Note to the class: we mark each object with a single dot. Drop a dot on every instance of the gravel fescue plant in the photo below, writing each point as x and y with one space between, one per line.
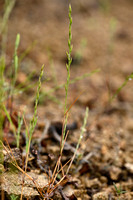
30 129
68 65
83 130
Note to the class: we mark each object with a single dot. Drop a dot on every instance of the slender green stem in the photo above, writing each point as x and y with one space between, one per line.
129 78
68 57
80 138
34 119
15 63
68 72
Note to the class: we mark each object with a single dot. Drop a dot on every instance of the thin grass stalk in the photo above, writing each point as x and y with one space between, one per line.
68 57
20 123
129 78
80 138
10 120
68 71
15 63
34 119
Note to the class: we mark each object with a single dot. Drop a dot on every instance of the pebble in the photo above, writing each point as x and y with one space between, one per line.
100 196
129 167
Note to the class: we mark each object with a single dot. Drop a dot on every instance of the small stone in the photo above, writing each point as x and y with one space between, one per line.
94 183
129 167
13 156
100 196
12 183
68 190
103 179
114 173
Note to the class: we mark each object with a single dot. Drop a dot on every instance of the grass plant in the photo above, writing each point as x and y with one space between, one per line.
33 121
13 197
119 190
83 129
128 78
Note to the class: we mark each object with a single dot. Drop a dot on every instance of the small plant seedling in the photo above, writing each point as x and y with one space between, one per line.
13 197
119 190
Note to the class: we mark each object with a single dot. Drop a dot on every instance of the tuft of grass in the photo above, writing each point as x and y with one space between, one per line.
119 190
13 197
